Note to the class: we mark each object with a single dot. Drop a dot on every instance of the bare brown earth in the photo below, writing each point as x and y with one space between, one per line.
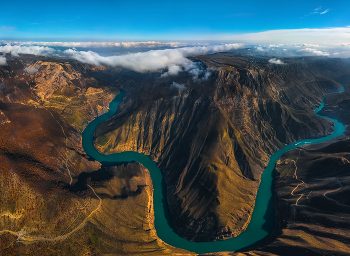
65 202
68 88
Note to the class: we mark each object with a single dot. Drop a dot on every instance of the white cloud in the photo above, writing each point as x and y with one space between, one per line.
172 71
315 52
316 10
307 49
312 45
140 62
148 44
198 72
151 44
276 61
301 36
178 86
31 70
3 61
149 61
15 50
173 59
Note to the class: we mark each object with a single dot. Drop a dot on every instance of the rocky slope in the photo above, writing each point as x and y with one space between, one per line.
67 87
64 202
338 106
312 200
213 139
312 194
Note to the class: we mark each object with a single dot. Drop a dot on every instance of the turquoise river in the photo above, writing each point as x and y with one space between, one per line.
262 221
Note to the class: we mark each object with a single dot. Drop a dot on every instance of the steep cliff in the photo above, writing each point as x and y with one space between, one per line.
213 139
311 193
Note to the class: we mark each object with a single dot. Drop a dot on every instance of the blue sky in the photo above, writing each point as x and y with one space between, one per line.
163 20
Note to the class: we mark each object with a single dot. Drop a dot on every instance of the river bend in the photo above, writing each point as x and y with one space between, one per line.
262 221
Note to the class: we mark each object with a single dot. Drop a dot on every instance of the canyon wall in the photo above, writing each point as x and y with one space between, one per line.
213 139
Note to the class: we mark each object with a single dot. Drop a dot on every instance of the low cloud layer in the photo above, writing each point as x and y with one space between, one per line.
15 50
276 61
3 61
172 71
148 44
173 60
315 51
31 70
154 60
332 50
178 86
305 35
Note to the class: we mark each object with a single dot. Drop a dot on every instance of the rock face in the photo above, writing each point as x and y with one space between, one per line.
213 140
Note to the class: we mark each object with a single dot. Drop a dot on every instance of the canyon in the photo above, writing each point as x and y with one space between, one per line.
213 141
210 138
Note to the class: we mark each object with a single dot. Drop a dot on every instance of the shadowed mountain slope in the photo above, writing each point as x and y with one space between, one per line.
213 139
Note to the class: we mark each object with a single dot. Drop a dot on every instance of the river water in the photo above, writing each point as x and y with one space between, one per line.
262 221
